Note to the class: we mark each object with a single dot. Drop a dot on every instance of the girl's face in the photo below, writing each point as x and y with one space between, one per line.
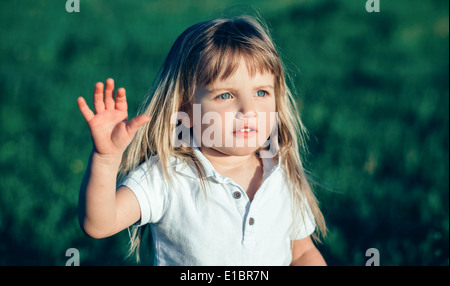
235 116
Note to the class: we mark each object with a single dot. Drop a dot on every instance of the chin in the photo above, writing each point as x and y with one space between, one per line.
237 151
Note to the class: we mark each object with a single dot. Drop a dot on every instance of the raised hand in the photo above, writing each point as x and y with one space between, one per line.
110 128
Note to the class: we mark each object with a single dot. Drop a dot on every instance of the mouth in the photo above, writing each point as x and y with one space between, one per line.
245 131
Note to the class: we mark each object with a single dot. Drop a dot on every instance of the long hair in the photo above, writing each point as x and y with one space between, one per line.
201 54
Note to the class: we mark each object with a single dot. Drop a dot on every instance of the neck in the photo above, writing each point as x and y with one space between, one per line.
225 162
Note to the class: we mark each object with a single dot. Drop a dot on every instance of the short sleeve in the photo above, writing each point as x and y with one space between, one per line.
304 224
148 185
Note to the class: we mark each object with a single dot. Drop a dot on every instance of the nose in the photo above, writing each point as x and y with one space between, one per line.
246 110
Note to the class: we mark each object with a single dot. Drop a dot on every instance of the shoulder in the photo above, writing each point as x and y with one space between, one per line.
149 167
154 169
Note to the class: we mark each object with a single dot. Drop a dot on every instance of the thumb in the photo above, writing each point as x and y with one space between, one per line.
134 124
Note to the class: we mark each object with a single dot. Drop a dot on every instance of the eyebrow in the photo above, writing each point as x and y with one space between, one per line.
259 87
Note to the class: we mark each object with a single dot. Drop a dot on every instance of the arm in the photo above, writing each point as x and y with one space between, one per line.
103 211
305 253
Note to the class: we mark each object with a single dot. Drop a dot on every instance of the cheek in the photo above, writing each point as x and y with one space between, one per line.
219 116
268 117
266 122
209 127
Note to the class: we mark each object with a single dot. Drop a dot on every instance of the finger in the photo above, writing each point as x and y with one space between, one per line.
84 108
135 123
99 105
109 94
121 100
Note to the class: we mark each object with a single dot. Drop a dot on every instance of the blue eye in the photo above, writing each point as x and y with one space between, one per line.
225 96
261 93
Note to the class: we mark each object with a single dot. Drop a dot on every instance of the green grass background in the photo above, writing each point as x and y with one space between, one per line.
373 90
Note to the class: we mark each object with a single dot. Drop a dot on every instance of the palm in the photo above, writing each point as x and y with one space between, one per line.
110 129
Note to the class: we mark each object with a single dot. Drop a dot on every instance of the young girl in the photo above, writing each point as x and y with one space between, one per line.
212 164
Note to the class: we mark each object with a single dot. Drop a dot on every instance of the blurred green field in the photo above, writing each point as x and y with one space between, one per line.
373 90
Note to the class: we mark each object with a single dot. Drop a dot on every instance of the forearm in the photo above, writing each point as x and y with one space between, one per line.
97 200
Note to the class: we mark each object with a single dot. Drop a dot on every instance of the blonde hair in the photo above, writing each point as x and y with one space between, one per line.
201 54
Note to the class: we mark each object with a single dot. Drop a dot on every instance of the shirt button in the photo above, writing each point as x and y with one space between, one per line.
251 221
237 195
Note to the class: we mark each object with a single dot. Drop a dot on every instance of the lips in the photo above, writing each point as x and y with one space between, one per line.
245 130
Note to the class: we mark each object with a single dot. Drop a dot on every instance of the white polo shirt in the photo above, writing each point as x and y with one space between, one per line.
219 226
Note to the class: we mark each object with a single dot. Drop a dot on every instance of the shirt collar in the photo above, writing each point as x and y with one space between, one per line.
270 165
